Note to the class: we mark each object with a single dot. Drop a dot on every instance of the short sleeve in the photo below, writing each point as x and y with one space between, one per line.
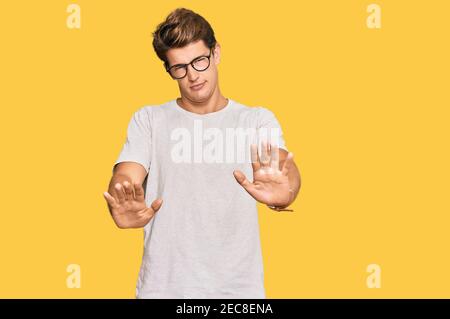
137 146
269 128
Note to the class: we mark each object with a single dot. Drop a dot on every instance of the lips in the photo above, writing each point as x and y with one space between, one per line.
198 86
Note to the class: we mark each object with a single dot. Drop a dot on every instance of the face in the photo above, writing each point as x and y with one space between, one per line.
193 77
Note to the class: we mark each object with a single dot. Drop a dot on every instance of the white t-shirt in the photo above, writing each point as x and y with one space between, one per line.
204 240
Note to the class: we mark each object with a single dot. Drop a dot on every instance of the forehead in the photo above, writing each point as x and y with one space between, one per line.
187 53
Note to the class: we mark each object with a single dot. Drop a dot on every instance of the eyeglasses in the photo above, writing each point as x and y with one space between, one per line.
179 71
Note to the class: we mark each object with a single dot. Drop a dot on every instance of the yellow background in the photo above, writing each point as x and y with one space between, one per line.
365 111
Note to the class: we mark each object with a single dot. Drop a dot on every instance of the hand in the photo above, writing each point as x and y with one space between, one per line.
128 208
270 185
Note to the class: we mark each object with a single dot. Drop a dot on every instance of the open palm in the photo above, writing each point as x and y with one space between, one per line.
270 184
128 207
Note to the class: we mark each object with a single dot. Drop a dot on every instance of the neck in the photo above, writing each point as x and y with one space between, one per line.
213 104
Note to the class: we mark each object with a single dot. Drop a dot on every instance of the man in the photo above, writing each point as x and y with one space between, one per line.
204 241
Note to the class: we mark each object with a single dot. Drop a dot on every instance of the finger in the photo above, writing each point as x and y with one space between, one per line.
120 193
274 157
287 163
265 159
114 195
156 204
241 179
139 192
109 199
154 207
128 190
255 157
133 191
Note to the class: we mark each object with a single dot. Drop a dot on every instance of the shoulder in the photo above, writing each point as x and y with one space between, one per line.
143 117
148 111
260 115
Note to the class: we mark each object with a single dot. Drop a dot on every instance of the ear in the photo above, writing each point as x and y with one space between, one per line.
216 52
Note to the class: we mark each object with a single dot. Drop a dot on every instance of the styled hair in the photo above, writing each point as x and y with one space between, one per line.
181 27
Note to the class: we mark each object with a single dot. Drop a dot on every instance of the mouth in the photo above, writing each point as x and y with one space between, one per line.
198 86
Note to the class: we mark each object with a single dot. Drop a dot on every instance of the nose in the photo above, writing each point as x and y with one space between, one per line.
192 74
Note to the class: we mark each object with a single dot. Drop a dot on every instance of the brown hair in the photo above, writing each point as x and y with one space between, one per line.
181 27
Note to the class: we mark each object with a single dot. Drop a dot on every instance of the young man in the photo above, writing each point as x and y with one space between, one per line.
191 155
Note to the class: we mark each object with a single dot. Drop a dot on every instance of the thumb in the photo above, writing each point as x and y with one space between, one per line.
241 179
156 204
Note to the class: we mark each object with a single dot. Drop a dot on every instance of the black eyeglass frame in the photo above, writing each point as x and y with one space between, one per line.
185 65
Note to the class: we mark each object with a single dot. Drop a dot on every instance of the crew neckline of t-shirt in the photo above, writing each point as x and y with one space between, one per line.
203 116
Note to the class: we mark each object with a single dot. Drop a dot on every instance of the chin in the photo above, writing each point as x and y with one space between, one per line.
199 94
